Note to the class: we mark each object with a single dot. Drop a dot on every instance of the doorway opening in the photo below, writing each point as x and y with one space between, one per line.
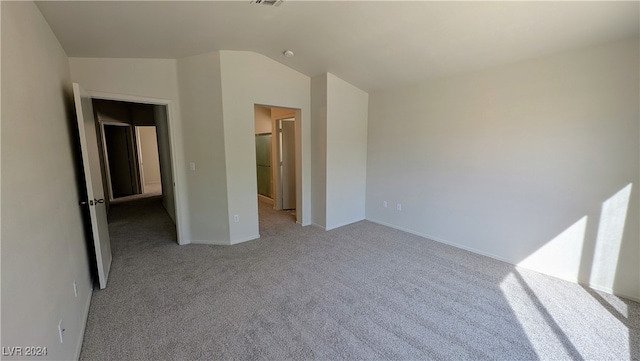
131 159
120 164
275 141
134 151
114 124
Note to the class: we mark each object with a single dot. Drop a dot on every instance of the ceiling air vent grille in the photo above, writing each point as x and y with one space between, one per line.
275 3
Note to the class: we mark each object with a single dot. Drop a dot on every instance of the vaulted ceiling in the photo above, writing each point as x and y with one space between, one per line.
372 44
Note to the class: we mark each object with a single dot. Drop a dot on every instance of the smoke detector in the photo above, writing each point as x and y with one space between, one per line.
274 3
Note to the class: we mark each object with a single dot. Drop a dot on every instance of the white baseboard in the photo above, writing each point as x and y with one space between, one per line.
609 290
85 318
496 257
440 240
245 239
343 224
225 243
318 226
210 242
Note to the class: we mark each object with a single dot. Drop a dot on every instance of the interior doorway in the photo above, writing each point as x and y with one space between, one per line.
120 163
275 141
135 151
122 111
130 148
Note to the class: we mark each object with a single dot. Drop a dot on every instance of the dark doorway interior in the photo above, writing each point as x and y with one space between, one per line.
122 161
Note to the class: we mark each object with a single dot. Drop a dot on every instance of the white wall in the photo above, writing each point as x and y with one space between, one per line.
149 152
347 117
222 183
201 101
145 78
340 116
249 78
509 161
43 242
319 149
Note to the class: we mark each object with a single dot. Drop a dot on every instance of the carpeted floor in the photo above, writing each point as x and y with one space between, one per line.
363 291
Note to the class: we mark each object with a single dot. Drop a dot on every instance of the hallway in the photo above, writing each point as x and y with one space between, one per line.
139 223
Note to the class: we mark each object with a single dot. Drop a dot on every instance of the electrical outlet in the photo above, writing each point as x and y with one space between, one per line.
236 218
61 331
75 288
384 204
399 207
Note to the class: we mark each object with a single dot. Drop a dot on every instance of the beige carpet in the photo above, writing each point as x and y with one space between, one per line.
363 291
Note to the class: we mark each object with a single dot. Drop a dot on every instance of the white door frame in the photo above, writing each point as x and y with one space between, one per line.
180 227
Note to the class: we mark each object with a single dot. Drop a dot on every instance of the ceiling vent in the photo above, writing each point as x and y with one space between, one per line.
274 3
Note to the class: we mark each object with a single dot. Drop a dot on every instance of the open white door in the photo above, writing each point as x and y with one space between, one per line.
93 177
288 163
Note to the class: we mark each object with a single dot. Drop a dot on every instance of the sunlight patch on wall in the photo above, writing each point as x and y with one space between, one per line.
561 256
610 232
